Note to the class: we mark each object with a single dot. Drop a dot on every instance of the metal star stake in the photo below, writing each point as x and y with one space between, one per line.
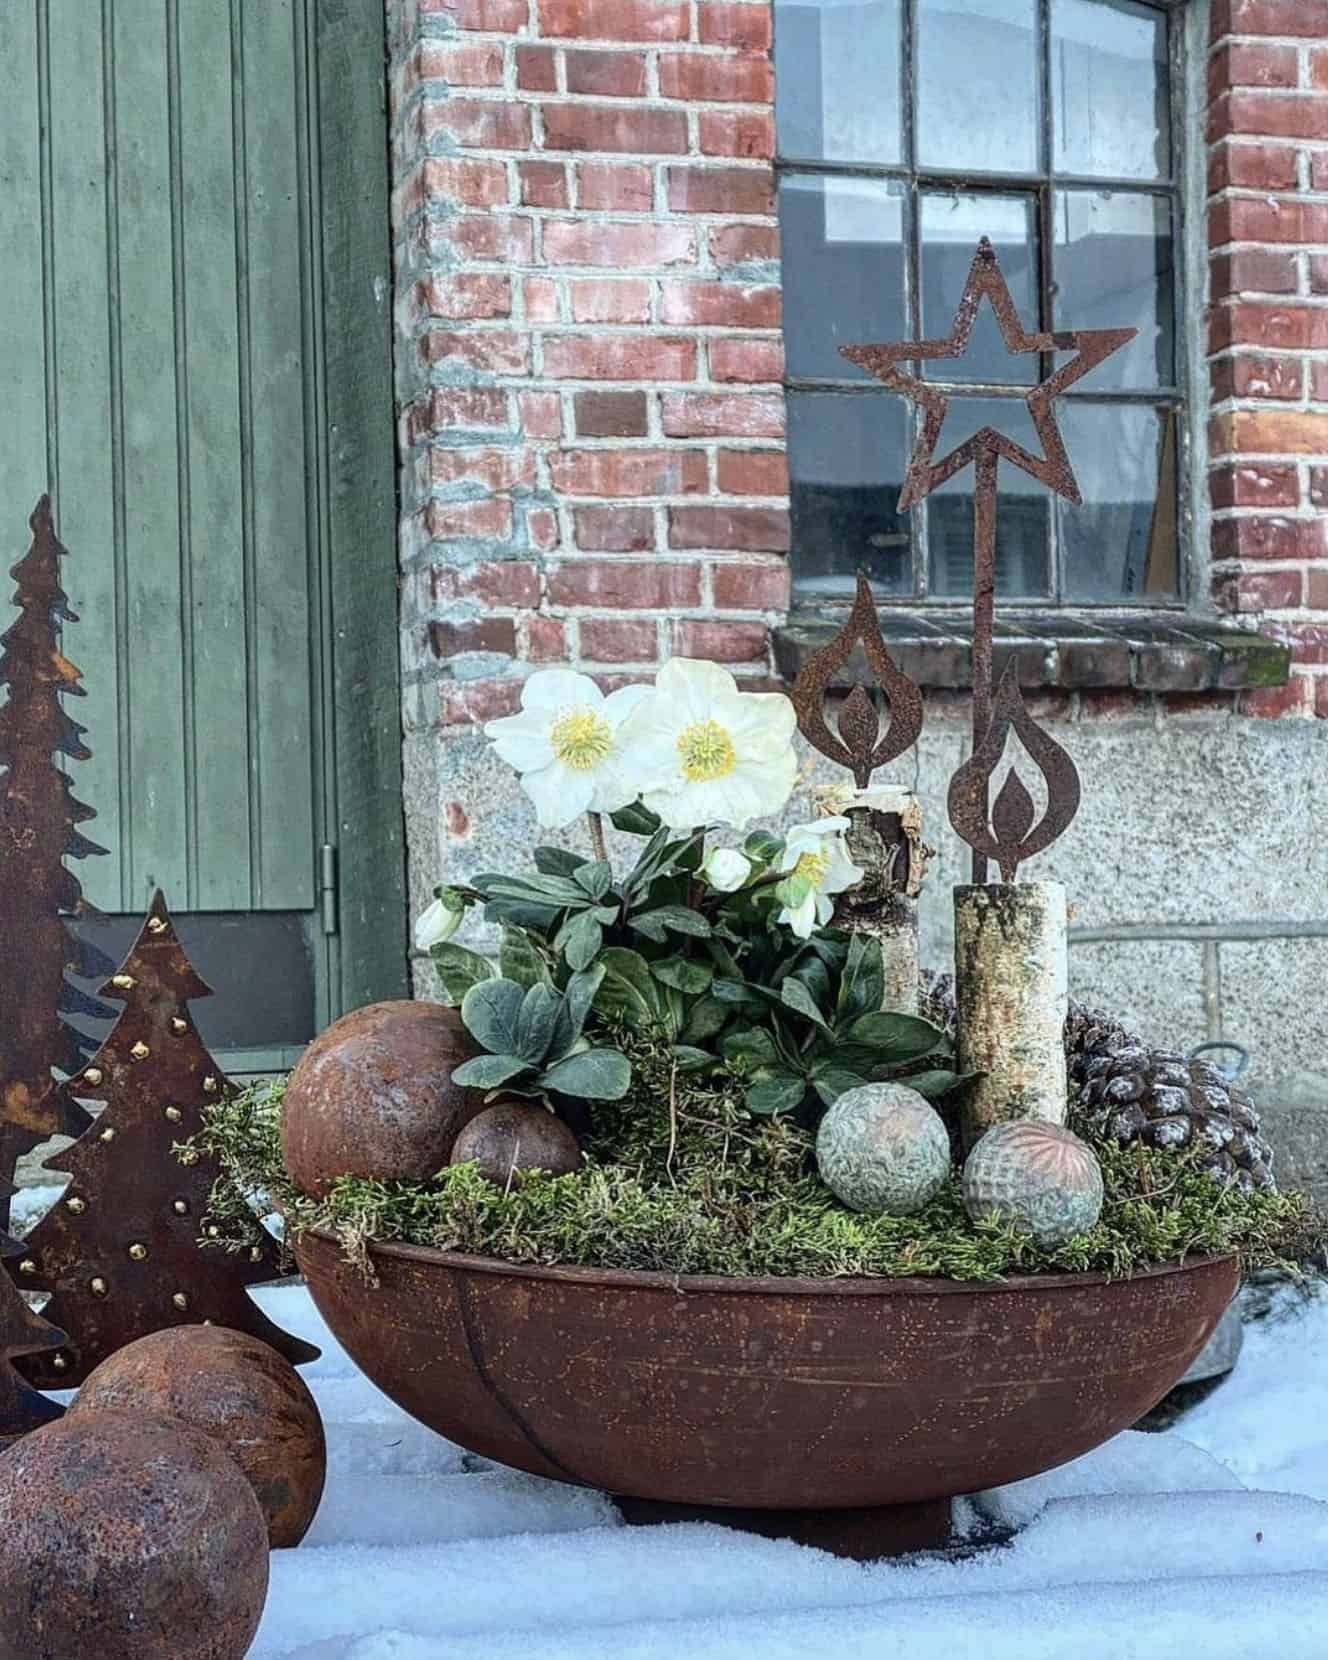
985 450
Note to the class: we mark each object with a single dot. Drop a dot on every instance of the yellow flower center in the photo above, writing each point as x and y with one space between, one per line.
813 866
707 751
581 739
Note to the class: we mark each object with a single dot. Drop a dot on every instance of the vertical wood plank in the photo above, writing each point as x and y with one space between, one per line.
211 352
22 322
280 534
81 312
348 81
151 295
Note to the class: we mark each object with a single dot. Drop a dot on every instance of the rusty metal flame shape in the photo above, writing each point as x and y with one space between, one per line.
1011 836
859 744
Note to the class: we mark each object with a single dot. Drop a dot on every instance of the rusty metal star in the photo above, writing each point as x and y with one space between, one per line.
1052 468
969 798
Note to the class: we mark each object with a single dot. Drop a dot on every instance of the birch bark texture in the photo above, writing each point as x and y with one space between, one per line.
884 838
1011 993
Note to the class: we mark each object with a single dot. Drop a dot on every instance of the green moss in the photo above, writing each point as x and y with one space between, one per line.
680 1178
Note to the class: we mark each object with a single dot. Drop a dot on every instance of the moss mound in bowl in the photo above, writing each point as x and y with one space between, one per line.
680 1178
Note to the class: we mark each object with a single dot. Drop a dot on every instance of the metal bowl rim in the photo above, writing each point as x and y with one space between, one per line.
642 1279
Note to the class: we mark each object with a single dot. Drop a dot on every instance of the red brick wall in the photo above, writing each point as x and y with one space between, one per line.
590 356
1268 328
589 303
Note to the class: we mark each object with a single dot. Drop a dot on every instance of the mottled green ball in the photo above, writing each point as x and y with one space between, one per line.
1038 1175
883 1148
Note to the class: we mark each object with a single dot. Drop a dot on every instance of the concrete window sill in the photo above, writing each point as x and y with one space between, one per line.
1139 651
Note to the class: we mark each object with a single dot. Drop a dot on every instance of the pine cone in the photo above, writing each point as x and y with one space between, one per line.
1158 1097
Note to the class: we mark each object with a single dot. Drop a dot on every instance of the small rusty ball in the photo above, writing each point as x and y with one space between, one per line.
373 1096
241 1392
128 1538
1036 1174
883 1149
512 1135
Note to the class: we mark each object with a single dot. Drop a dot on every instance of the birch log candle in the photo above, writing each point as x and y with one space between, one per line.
1011 995
885 839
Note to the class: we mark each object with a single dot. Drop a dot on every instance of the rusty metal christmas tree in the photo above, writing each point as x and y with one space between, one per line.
120 1251
21 1333
39 820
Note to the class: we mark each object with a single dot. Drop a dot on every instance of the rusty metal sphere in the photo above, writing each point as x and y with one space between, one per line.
373 1096
513 1135
243 1394
128 1538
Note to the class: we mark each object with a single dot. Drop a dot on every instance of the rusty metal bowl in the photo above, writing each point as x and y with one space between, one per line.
766 1393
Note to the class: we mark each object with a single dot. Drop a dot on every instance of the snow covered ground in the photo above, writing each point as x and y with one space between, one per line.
1211 1540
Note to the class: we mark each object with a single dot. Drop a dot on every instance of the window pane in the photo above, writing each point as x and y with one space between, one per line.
837 69
844 279
1109 90
1022 518
1122 543
951 228
977 79
1114 269
847 454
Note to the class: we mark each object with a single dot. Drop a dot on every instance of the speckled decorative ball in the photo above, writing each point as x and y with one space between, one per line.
373 1096
883 1148
246 1396
512 1135
128 1538
1037 1174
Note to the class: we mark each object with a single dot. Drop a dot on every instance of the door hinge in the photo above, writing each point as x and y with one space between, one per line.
328 894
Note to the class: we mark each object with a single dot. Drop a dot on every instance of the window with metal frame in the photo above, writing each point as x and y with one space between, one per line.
907 129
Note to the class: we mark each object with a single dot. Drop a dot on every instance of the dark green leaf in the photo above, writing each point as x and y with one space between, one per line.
458 970
862 984
557 861
577 999
488 1071
830 1081
816 977
536 1022
629 992
521 913
678 919
895 1037
750 1047
937 1085
491 1012
636 820
541 890
579 940
683 975
738 995
594 1075
520 959
692 1060
705 1017
794 995
780 1092
596 879
650 862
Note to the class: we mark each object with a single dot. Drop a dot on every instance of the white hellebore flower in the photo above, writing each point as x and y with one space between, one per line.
725 869
817 865
566 744
706 753
436 924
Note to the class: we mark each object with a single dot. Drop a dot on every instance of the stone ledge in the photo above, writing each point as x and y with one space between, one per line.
1148 652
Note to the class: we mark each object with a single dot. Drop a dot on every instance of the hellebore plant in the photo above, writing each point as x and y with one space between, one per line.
725 954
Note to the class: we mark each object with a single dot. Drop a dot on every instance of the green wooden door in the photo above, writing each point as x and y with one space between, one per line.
195 344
